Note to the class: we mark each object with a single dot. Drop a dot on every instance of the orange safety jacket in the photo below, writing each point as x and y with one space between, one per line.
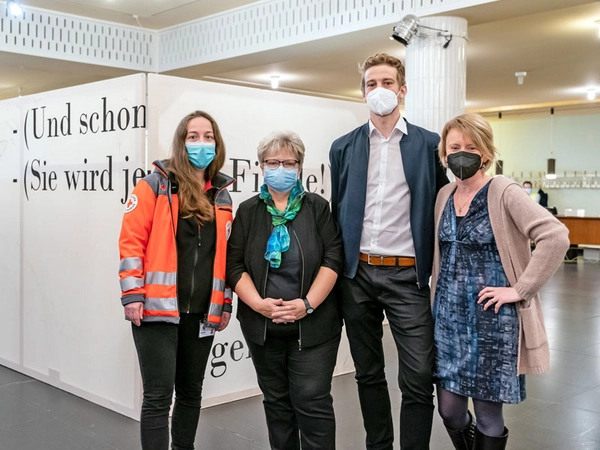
148 250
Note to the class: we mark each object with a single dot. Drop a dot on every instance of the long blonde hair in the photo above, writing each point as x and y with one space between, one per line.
192 200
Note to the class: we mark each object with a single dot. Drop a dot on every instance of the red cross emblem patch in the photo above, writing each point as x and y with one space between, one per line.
131 203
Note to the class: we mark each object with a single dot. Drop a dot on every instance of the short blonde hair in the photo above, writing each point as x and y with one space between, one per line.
478 130
379 59
281 140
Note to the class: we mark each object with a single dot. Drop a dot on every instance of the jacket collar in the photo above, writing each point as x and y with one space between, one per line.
222 180
160 166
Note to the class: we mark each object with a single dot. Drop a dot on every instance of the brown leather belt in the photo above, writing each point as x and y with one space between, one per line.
389 261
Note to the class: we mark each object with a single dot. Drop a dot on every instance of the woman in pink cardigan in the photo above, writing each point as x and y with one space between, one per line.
489 329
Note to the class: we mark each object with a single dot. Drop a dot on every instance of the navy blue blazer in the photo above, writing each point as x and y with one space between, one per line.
425 175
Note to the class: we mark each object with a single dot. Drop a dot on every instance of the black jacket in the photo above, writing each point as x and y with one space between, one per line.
320 244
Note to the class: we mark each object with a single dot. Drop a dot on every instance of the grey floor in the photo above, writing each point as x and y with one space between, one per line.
562 410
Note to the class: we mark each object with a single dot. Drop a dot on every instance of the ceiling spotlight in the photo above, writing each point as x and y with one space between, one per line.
591 94
520 76
14 8
274 81
406 29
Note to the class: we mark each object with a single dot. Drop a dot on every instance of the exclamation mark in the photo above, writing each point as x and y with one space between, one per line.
322 177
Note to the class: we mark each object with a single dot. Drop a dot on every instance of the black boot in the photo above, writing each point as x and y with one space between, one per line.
463 439
483 442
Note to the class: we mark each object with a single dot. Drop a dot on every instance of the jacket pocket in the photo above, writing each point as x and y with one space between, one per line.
534 332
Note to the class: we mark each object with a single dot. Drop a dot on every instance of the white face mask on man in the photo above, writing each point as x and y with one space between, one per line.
382 101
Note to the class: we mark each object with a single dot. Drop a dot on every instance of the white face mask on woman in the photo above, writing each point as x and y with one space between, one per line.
382 101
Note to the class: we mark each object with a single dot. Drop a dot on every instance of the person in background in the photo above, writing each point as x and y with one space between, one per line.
173 246
284 257
529 189
384 179
489 328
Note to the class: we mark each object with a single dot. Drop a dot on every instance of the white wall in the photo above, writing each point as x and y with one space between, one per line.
10 231
62 313
526 141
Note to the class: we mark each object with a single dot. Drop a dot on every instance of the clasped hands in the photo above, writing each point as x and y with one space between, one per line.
281 311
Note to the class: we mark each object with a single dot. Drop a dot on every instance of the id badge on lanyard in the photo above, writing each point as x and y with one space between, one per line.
205 329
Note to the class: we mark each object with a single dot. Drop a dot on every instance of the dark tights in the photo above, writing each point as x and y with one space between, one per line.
453 410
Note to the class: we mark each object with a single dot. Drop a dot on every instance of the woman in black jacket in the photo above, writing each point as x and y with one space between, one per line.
284 257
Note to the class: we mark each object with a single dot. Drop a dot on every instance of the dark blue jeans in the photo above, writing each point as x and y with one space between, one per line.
171 356
364 299
296 385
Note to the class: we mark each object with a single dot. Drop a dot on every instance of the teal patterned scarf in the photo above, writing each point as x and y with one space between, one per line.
279 241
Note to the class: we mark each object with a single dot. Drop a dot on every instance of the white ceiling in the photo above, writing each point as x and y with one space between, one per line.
555 41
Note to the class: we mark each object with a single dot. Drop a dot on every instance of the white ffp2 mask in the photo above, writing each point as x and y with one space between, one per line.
382 101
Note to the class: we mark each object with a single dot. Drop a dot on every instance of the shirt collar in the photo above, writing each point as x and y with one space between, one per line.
400 126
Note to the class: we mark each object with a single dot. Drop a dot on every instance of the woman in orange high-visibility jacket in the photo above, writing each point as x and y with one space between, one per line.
173 246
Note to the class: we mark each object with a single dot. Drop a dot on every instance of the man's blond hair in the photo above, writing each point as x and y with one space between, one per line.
379 59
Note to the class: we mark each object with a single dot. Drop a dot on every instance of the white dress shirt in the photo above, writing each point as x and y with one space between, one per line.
386 226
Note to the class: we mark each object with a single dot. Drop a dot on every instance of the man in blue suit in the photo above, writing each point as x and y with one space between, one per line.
384 179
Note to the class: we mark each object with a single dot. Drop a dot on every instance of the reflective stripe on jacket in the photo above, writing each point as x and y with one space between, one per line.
148 250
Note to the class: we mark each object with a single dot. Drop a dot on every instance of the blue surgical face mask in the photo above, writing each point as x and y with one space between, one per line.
200 154
281 179
528 190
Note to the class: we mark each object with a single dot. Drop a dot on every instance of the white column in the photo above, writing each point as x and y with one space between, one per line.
436 76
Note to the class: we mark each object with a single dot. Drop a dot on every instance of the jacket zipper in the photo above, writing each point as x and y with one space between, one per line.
264 293
189 305
301 289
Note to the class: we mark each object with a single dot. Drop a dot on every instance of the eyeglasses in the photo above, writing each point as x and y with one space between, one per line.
275 163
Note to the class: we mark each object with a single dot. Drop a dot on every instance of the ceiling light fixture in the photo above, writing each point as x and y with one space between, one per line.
406 29
274 81
499 167
551 162
409 27
551 169
591 94
520 76
14 8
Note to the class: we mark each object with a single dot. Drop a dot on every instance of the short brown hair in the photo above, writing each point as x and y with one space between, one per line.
478 130
379 59
279 140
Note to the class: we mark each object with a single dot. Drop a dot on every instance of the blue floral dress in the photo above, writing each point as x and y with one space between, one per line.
476 350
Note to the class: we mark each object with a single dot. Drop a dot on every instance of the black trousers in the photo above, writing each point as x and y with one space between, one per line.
364 299
296 385
171 356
